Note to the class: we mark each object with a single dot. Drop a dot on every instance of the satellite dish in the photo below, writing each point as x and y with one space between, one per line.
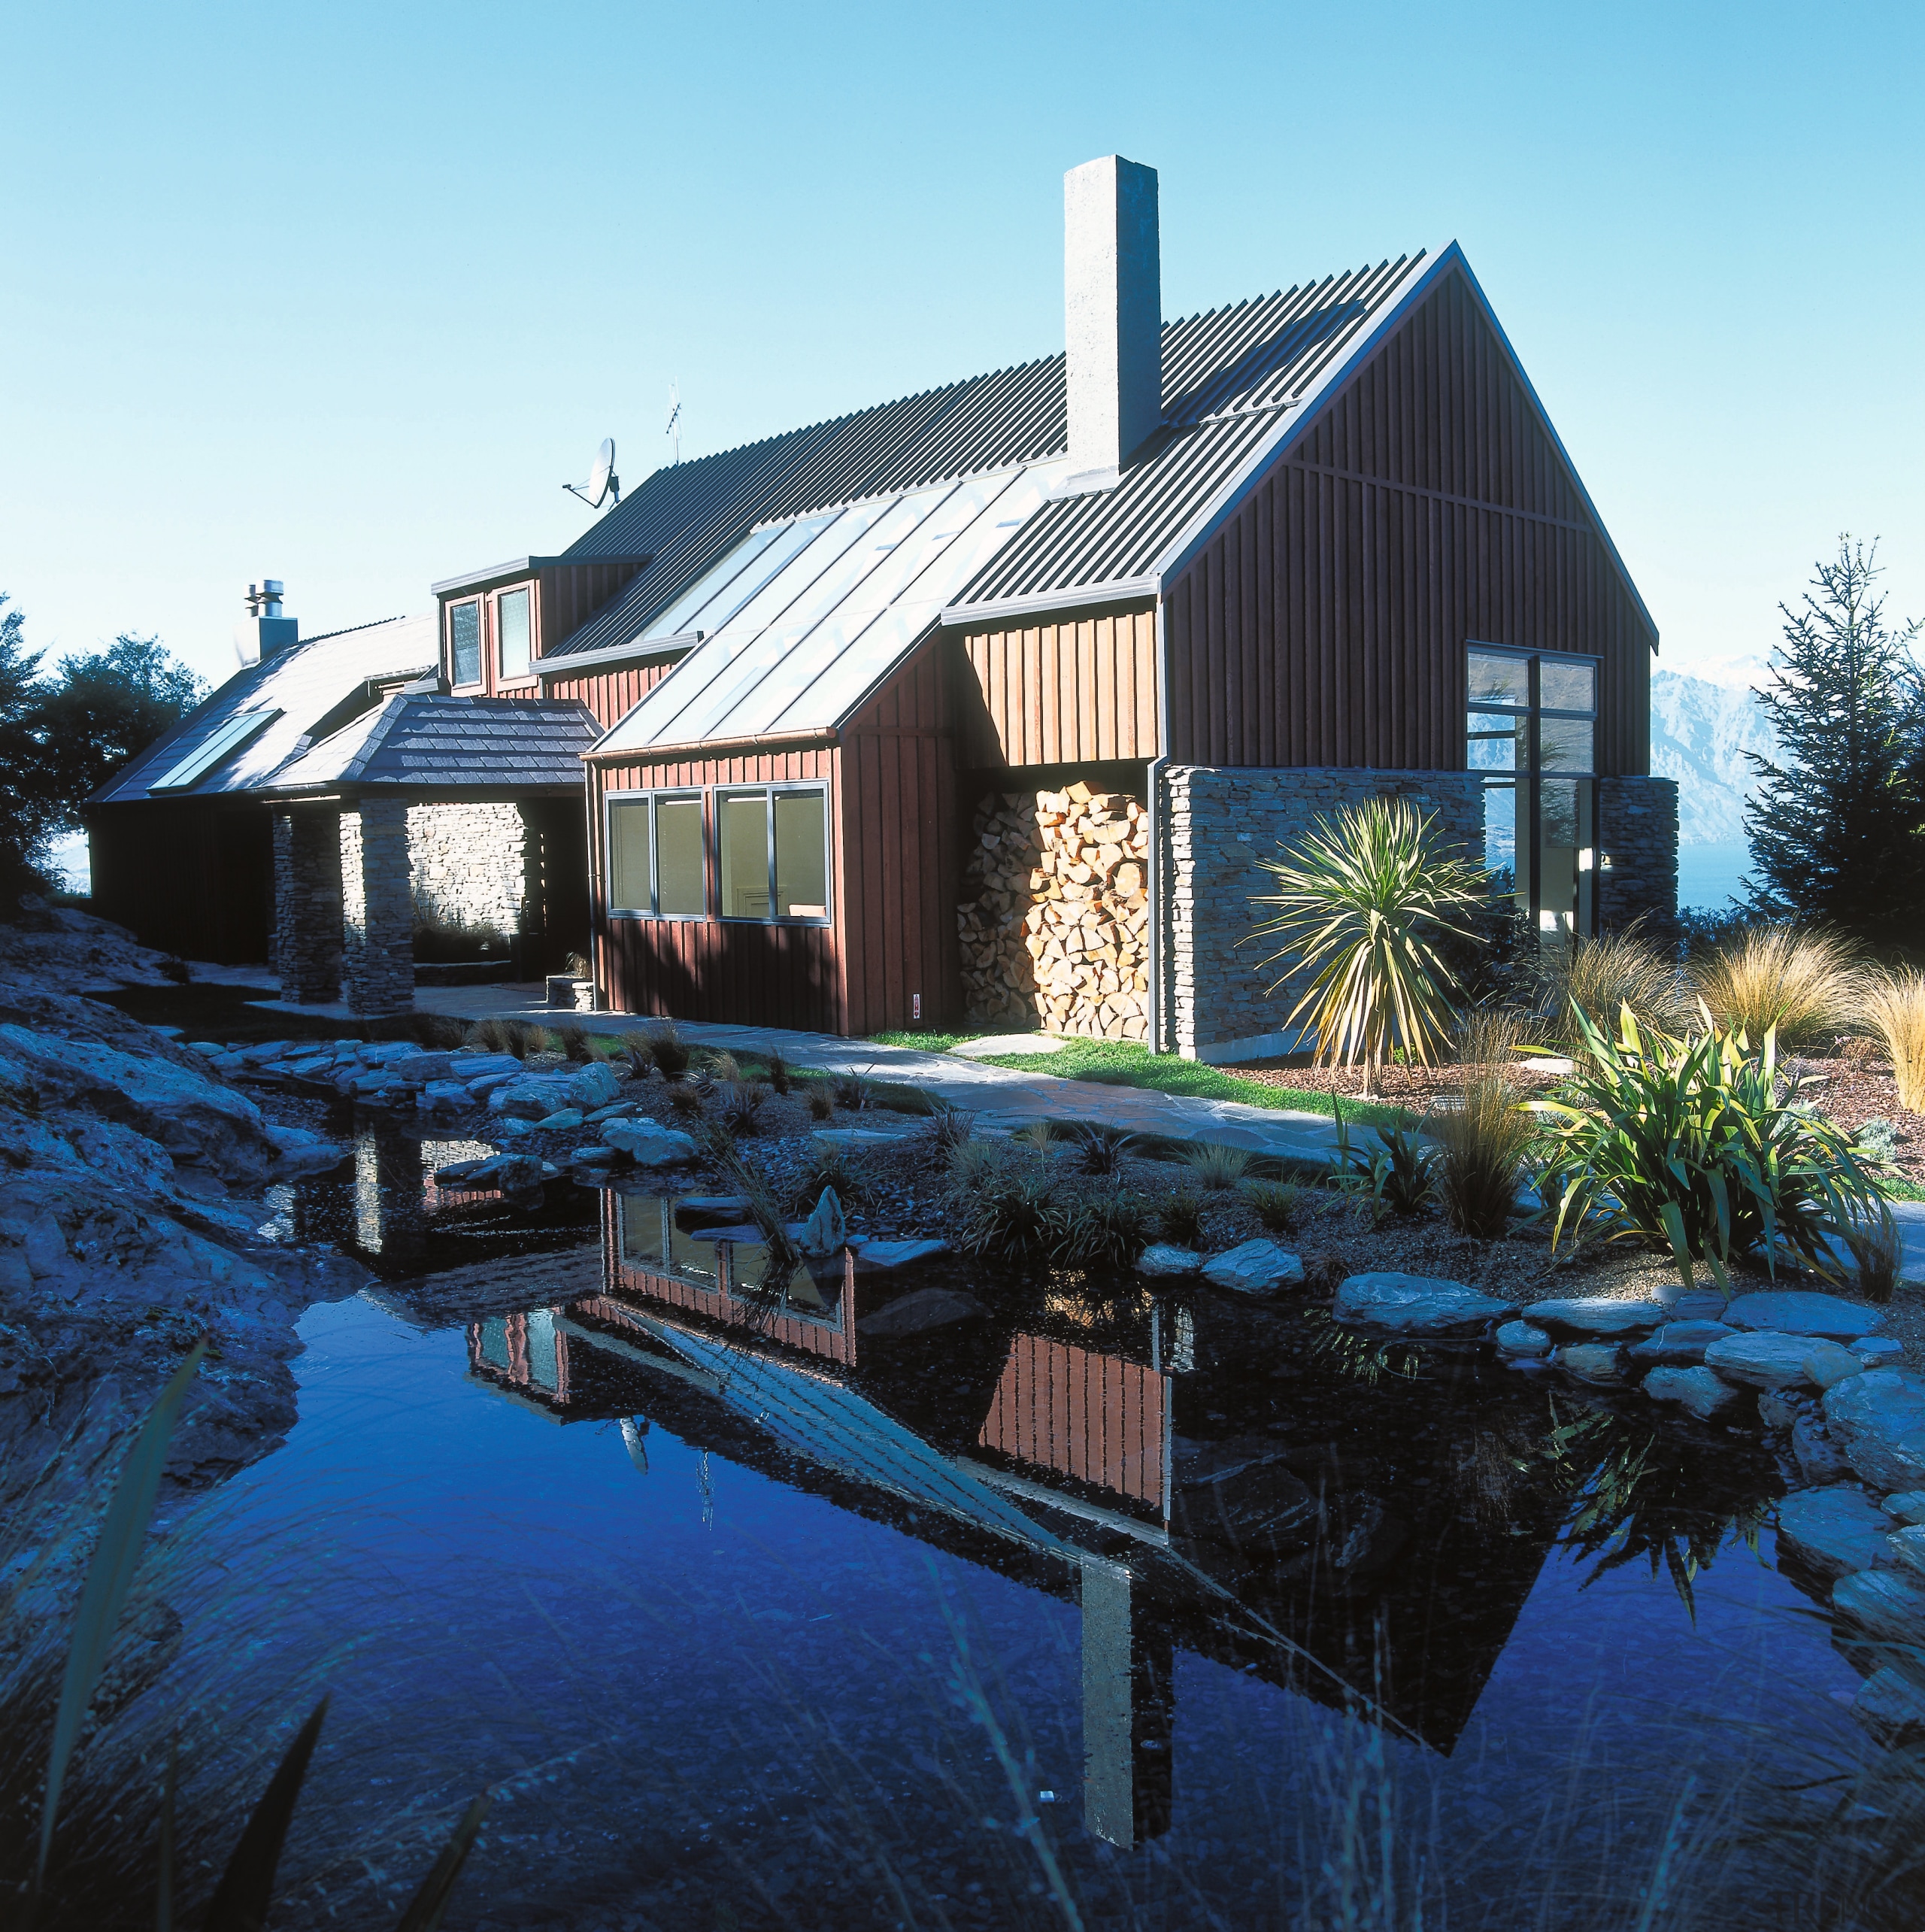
602 481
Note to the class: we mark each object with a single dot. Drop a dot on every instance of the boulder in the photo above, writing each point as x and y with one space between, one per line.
443 1097
1907 1506
508 1127
466 1066
1909 1546
1598 1362
896 1253
1888 1605
303 1152
595 1086
1780 1408
614 1113
925 1308
852 1140
647 1145
1827 1362
1599 1315
533 1097
1162 1258
1699 1305
1255 1268
416 1069
1891 1706
1833 1531
1800 1312
594 1157
1819 1459
565 1121
1696 1390
1520 1338
1679 1345
1762 1361
1878 1419
510 1173
1417 1304
1879 1351
825 1232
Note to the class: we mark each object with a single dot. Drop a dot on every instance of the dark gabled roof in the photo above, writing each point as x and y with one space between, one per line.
302 689
1230 376
424 742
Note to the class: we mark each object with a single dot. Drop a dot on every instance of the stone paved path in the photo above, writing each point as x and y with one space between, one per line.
1000 1096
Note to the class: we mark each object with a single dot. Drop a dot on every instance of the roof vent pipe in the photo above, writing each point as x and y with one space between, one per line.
1113 314
265 630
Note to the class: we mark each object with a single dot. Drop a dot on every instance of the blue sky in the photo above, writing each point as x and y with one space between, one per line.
344 294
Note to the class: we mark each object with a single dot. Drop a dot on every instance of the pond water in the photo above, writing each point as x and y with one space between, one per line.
760 1606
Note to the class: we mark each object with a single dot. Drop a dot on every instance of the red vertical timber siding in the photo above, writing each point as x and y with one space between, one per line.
611 694
1090 1416
1325 623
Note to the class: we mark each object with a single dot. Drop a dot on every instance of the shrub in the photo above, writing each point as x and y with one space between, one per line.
1278 1205
1215 1167
1400 1171
1597 977
1100 1149
1878 1139
1895 1005
743 1105
440 940
1182 1218
668 1051
1697 1144
1368 904
1109 1228
1804 983
1481 1147
1011 1213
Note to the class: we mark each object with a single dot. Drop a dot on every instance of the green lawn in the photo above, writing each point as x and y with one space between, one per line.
1126 1063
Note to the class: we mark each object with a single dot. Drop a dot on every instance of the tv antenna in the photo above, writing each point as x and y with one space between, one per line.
602 482
672 429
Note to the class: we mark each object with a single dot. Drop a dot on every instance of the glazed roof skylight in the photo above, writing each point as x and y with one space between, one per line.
818 611
220 743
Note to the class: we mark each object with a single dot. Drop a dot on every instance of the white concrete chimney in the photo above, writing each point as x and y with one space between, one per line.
1113 314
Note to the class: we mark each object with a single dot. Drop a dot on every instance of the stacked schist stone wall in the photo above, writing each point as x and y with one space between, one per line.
377 907
307 903
475 865
1637 837
1218 820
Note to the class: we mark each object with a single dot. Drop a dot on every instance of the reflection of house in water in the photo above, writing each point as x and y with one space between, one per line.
1204 1480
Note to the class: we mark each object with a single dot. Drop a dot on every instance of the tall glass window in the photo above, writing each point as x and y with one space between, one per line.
1532 727
465 643
512 633
655 857
742 837
775 853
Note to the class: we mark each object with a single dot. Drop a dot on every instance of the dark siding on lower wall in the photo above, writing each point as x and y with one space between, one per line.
1325 623
191 876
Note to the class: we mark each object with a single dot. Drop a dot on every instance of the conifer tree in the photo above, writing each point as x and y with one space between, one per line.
1837 825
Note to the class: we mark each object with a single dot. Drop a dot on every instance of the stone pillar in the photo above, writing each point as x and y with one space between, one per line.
1128 1711
307 903
1216 821
377 907
1637 841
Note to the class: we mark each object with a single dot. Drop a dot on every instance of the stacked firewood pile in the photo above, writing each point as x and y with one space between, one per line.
1055 931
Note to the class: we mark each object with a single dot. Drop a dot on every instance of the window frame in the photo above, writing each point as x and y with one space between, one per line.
502 675
649 795
710 797
479 681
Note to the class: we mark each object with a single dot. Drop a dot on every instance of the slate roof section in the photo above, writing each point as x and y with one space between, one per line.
305 682
1230 376
428 742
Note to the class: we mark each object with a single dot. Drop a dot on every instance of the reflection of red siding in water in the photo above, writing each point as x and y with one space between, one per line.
1083 1415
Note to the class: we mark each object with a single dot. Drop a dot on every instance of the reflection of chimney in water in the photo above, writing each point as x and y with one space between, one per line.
635 1430
1128 1711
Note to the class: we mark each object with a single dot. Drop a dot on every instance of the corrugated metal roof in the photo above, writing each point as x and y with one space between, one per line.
430 742
1259 357
302 683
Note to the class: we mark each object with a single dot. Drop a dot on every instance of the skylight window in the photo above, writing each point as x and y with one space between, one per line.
722 590
220 745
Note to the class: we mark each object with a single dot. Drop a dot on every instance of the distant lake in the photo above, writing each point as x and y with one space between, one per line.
1709 875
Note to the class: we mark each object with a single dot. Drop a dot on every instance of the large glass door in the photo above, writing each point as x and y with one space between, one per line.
1532 728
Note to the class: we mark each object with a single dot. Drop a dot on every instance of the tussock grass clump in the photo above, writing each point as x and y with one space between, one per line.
1011 1213
777 1074
1804 982
822 1102
1100 1149
521 1040
1481 1150
1279 1204
668 1053
1109 1228
571 1041
1877 1253
1217 1167
490 1035
1895 1005
1596 978
971 1162
742 1105
686 1100
849 1091
831 1167
953 1127
440 1031
1182 1218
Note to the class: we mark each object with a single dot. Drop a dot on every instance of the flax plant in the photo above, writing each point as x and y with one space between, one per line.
1366 903
1701 1144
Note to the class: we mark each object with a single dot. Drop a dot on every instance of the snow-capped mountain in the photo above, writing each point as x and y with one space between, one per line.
1700 731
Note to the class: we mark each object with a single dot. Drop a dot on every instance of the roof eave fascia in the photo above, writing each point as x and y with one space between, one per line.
1423 275
527 566
636 651
698 749
1120 590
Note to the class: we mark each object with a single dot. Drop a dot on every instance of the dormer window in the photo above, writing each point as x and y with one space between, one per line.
465 643
512 635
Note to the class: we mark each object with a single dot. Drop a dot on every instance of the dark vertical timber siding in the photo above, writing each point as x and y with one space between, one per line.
611 694
1325 624
191 876
1065 690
